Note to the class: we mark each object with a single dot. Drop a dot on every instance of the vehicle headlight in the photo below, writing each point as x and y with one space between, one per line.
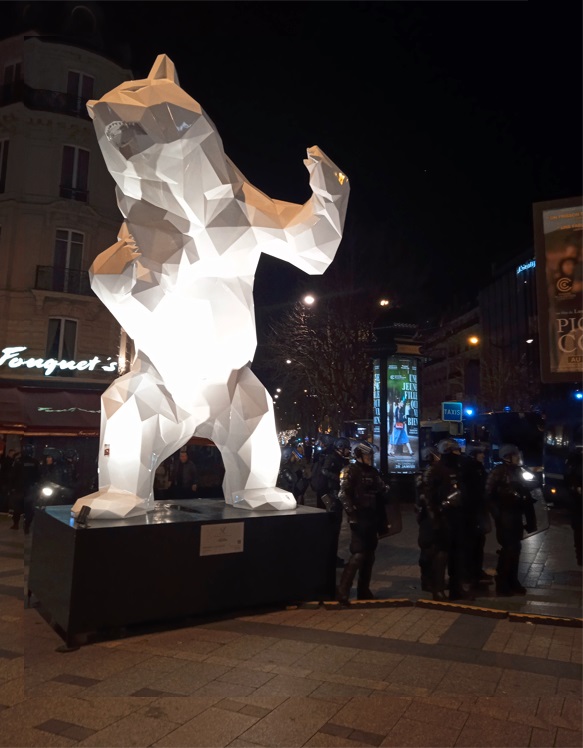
527 475
47 491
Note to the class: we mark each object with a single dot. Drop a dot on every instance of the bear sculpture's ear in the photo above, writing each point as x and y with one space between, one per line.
163 68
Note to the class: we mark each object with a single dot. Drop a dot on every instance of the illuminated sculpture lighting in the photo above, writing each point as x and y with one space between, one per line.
180 283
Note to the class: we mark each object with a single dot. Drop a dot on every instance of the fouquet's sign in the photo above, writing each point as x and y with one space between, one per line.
12 358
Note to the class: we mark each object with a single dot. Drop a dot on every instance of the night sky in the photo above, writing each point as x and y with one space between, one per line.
449 118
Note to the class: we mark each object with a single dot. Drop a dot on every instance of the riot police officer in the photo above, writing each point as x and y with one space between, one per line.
425 539
509 499
476 516
361 490
291 475
332 463
442 489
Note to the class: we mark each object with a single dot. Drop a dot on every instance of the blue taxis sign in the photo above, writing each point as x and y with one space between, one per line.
451 411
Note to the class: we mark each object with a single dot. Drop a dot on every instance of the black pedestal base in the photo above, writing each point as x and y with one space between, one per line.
176 563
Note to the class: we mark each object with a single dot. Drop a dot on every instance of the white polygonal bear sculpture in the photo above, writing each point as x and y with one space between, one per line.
180 283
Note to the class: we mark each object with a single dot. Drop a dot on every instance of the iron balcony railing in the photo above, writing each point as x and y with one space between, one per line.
64 280
73 193
43 99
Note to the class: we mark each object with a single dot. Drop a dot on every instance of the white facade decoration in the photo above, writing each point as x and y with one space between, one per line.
180 283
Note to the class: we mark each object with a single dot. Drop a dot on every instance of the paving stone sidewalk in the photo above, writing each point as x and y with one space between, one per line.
391 674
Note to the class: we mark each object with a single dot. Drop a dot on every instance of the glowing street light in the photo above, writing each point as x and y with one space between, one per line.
384 302
473 340
309 300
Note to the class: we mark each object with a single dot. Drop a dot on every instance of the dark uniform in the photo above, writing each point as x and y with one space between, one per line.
291 475
573 481
332 463
424 518
26 484
362 489
509 499
476 516
184 479
442 488
6 480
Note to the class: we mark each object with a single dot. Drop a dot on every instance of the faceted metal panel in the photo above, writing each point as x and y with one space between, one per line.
180 283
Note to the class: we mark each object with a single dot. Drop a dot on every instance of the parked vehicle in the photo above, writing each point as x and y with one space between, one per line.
563 438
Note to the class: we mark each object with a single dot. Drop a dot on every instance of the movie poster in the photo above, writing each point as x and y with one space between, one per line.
558 232
402 415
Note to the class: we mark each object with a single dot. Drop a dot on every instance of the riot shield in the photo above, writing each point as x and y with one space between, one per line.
537 520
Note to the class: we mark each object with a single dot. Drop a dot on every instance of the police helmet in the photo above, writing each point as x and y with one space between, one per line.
364 448
507 450
448 446
342 443
429 453
288 450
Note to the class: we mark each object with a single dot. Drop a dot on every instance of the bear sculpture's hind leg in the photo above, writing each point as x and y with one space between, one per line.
140 426
247 439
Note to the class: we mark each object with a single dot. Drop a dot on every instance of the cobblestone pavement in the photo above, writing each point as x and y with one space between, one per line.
406 672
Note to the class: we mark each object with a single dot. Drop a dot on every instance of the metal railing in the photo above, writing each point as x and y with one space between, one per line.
63 280
72 193
43 100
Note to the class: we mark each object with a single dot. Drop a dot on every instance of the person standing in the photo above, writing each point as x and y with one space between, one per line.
442 487
362 489
425 536
184 478
6 479
291 475
476 516
332 464
163 479
509 499
53 480
308 449
573 481
26 479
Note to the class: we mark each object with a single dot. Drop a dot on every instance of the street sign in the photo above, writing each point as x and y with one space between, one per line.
451 411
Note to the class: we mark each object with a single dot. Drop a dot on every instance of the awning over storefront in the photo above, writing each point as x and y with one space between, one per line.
37 411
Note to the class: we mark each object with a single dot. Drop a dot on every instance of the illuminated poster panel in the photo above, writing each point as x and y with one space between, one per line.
376 411
558 228
402 415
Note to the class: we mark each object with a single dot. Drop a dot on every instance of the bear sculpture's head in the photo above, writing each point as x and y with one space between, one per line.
148 129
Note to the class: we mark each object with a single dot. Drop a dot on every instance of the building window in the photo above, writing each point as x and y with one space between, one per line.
67 261
3 163
11 83
79 89
61 342
74 173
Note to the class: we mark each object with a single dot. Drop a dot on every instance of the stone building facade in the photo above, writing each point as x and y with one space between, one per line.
57 210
